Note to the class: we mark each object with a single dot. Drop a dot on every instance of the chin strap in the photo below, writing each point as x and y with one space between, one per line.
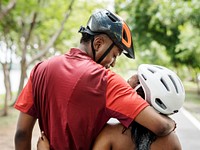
105 53
93 50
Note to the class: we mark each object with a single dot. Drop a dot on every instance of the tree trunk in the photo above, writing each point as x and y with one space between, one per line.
7 9
52 40
7 83
22 75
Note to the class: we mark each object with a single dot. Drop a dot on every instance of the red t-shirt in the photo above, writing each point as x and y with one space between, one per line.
73 97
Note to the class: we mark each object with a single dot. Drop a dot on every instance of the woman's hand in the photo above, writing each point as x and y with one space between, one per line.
43 143
133 81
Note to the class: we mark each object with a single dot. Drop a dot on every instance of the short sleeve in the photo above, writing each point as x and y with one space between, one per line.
25 102
122 101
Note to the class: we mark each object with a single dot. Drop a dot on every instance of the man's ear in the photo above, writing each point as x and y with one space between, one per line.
98 42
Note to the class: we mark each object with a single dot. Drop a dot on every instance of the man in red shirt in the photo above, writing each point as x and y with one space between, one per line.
75 94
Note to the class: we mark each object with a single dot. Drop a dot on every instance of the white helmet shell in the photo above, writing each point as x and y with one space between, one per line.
162 88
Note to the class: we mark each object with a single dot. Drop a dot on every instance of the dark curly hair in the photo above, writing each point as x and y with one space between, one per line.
141 136
86 38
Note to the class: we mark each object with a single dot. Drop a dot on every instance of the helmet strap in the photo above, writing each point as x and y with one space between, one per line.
93 50
105 53
137 87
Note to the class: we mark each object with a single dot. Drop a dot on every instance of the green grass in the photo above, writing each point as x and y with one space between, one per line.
6 121
1 101
191 93
10 102
192 97
12 113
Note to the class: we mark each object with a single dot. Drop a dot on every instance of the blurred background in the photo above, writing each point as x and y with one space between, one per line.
165 32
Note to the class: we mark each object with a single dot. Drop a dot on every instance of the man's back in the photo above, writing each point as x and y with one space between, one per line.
69 95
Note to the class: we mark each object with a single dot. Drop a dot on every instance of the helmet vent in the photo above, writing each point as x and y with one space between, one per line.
164 83
182 88
173 83
140 91
125 35
152 71
144 77
159 67
175 111
160 103
112 17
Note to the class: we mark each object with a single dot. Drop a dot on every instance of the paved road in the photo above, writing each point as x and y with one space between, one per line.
188 130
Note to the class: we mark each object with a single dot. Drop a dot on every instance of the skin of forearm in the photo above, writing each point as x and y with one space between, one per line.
22 141
159 124
169 127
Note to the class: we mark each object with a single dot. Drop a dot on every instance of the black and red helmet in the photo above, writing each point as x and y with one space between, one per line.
104 21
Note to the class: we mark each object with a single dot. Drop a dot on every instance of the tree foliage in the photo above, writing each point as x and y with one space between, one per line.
165 32
163 27
32 30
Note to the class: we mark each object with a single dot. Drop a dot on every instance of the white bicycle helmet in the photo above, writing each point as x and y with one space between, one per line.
162 88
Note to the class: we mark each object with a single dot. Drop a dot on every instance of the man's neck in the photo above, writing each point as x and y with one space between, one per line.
85 48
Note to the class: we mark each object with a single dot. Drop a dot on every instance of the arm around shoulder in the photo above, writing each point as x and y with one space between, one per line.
159 124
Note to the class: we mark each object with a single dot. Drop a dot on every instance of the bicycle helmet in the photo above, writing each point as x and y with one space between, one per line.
162 88
104 21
